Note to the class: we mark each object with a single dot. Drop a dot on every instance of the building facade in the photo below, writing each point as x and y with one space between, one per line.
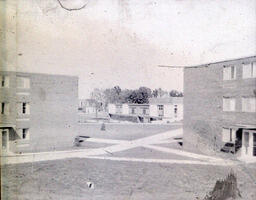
168 109
88 106
38 111
220 106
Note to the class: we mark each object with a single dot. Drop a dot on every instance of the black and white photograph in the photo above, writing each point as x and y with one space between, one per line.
128 99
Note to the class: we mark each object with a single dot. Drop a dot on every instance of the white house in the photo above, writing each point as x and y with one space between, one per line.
88 106
166 109
118 109
169 108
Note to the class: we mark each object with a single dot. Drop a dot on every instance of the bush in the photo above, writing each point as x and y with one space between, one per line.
225 189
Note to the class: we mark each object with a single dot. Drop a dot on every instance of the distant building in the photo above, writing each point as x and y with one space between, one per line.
220 106
165 109
88 106
169 108
38 111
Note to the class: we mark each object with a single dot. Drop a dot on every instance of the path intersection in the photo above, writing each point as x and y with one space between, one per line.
150 149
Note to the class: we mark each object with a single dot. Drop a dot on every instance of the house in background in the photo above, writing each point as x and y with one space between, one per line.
118 108
38 111
220 106
88 106
168 109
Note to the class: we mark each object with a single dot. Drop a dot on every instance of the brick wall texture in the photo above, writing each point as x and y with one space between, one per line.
204 117
53 110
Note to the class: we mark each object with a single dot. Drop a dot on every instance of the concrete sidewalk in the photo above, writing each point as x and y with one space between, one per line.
119 146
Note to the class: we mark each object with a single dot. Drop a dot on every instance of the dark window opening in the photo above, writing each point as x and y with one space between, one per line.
3 81
2 108
24 133
24 108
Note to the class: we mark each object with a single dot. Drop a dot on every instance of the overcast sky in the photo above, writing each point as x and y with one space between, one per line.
121 42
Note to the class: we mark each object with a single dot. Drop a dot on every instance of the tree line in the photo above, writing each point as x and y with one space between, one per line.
137 96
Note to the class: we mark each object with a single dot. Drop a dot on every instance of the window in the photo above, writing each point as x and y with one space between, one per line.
23 108
145 111
25 133
229 104
118 109
229 73
249 104
160 110
249 70
4 81
23 82
133 110
4 108
175 110
160 107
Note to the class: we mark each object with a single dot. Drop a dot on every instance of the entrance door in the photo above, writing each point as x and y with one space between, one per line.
5 141
254 144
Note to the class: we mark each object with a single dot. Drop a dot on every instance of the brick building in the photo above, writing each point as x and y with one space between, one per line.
38 111
220 106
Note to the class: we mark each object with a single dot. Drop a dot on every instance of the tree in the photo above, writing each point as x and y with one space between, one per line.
117 90
113 95
98 95
139 96
175 93
117 95
155 93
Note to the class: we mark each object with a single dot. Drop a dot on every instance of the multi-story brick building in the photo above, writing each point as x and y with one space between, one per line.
38 111
220 105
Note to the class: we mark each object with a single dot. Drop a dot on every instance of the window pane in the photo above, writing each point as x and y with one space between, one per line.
20 82
232 104
226 73
229 104
247 70
253 104
23 82
249 104
232 72
2 108
254 69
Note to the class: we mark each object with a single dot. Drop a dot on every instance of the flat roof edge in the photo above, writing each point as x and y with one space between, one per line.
207 64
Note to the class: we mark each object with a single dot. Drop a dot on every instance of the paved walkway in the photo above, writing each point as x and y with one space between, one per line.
119 146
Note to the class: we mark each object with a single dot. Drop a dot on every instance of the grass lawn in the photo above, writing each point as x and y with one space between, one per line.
67 179
124 131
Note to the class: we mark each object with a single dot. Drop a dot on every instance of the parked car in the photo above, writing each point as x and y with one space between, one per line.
231 147
228 148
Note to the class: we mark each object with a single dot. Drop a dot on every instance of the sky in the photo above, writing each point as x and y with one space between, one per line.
122 42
